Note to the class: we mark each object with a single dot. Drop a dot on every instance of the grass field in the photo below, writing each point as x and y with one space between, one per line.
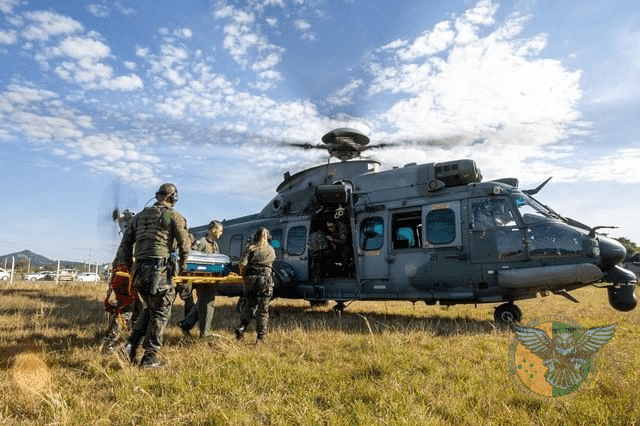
379 363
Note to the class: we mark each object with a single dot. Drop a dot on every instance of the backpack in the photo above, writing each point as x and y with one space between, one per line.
121 285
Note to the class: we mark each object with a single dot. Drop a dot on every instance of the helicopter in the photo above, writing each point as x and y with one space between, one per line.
432 232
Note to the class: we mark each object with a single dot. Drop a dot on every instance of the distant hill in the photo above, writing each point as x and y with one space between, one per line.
37 261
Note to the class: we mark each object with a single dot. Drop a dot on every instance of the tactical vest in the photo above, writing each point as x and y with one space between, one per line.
317 242
153 230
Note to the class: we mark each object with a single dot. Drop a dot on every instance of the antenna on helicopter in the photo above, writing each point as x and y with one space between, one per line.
538 188
343 143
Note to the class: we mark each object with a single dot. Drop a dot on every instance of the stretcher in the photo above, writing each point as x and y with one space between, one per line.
209 280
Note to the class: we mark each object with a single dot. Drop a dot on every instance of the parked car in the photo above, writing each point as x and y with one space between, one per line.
38 276
88 276
4 275
66 275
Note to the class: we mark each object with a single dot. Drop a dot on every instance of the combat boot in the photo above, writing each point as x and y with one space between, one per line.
150 361
128 352
186 332
240 332
108 347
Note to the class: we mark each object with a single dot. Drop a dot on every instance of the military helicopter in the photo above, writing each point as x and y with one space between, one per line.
424 232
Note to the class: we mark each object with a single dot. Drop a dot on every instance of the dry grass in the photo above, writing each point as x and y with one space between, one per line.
379 363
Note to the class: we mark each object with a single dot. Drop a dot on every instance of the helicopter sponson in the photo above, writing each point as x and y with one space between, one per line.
434 232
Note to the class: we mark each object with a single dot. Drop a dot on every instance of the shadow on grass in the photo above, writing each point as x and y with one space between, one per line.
287 318
47 323
55 322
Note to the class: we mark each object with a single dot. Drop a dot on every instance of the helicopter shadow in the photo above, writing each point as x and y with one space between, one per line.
288 318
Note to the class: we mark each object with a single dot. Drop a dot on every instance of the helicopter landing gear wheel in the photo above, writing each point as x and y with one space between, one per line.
338 308
507 313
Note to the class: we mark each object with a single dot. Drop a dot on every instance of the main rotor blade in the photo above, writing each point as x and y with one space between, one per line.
380 146
305 146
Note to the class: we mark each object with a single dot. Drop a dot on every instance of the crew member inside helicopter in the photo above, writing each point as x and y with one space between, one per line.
339 243
319 257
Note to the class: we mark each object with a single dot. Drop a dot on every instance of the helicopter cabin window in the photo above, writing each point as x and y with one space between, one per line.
440 226
296 240
372 233
406 230
276 239
235 246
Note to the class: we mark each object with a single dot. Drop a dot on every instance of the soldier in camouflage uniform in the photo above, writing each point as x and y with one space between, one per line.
319 257
202 312
184 290
255 266
152 232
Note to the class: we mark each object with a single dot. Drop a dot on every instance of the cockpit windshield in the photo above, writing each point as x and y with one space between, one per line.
530 210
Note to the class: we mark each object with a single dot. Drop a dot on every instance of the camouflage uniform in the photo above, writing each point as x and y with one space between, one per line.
127 318
205 296
319 257
340 244
205 245
258 288
153 232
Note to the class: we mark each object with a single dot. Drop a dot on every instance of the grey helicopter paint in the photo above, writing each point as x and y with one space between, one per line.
426 232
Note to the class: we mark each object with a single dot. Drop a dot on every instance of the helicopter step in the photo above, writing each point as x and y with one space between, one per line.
331 289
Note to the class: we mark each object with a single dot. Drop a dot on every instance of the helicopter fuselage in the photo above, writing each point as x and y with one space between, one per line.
427 232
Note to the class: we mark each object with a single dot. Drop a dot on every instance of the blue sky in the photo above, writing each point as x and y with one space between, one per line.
102 101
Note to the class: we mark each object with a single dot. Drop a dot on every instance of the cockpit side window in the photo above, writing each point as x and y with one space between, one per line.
530 210
491 213
372 233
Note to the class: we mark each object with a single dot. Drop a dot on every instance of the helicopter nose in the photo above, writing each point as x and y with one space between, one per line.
611 252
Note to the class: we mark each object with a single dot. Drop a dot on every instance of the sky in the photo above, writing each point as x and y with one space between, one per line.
102 101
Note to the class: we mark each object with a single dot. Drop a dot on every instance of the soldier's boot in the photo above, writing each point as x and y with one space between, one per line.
240 331
150 360
109 345
130 349
261 328
188 306
128 352
186 331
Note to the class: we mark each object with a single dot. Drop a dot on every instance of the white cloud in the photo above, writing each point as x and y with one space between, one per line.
98 10
477 86
8 37
6 6
142 51
434 41
344 95
80 48
245 42
45 128
125 10
123 83
272 22
45 24
302 25
183 33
